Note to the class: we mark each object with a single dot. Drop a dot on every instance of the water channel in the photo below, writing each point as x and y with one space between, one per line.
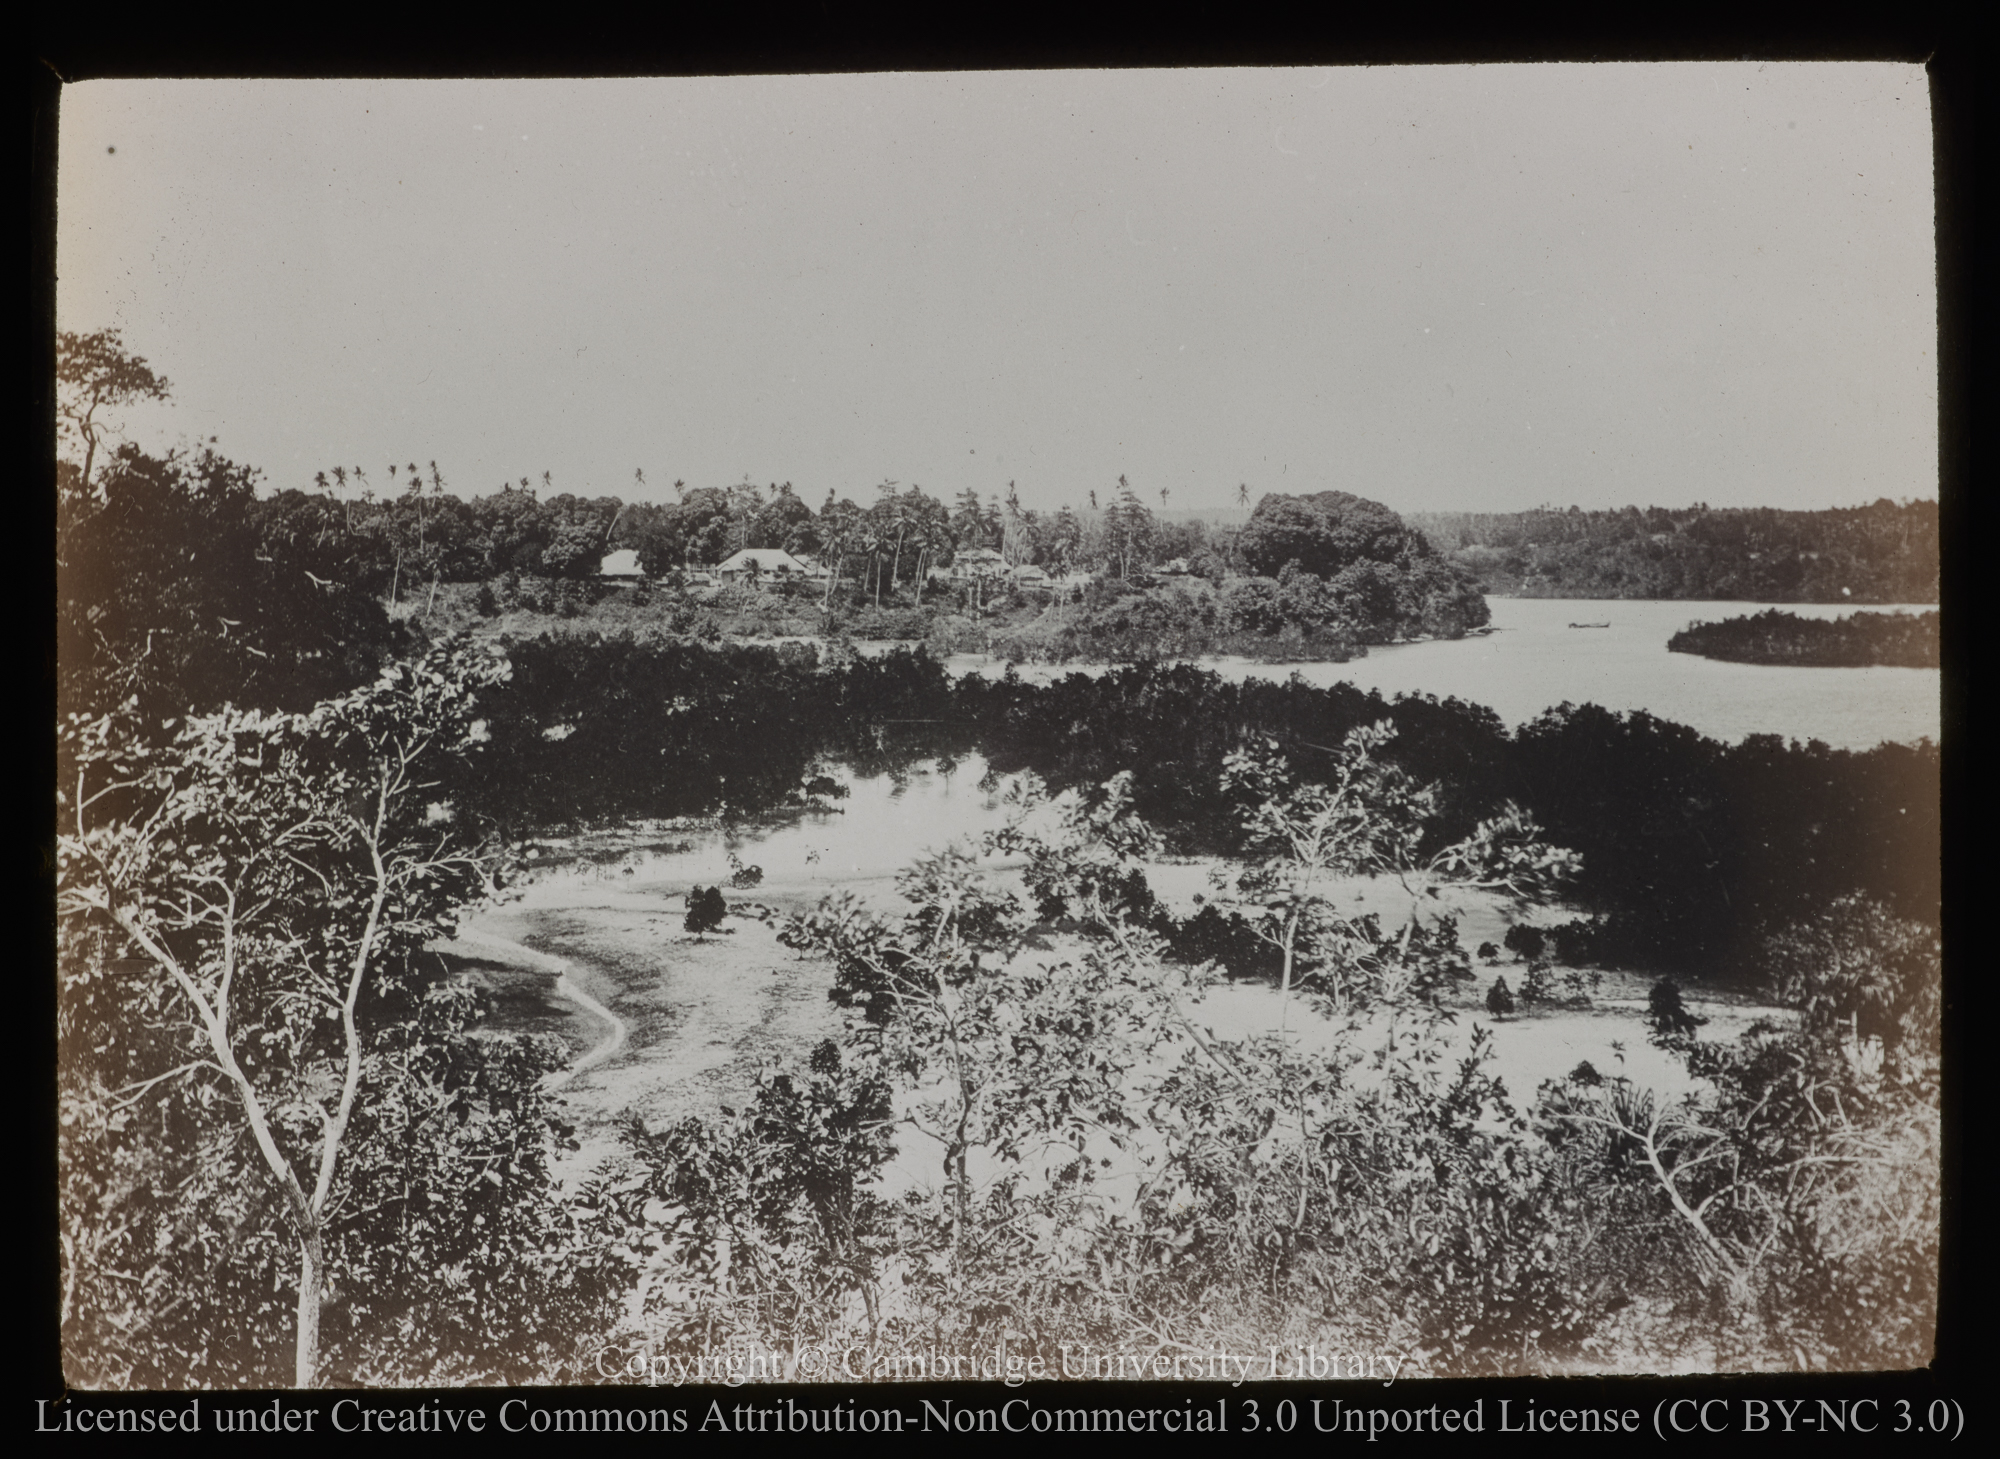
681 1025
1535 657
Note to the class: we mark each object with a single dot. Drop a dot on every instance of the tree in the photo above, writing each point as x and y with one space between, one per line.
999 1053
271 874
785 522
1326 532
167 585
95 372
1130 527
177 585
890 523
1065 541
1866 987
1368 818
782 1187
705 910
930 526
1500 999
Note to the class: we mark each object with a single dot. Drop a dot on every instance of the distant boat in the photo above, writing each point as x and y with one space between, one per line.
1590 625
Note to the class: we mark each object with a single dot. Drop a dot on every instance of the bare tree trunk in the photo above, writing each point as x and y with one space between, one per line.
312 1266
1285 986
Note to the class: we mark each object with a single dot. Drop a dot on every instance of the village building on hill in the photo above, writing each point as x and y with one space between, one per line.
970 563
621 566
760 564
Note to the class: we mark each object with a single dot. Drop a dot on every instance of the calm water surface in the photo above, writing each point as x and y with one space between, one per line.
1533 660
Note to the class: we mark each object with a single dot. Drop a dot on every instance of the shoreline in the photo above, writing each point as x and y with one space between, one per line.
698 1020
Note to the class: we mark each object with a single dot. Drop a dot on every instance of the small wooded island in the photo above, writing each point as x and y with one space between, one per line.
1899 640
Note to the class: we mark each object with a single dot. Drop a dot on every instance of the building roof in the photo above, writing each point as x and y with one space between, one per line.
767 559
624 563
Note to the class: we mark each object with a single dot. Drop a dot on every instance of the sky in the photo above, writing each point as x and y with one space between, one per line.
1454 288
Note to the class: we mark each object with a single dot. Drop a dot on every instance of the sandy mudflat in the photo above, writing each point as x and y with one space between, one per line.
701 1016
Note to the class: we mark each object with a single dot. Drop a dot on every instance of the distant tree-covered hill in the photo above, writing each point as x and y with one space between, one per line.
1882 553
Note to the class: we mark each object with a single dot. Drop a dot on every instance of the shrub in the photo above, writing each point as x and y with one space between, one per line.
872 624
1570 988
956 634
1669 1018
1793 1197
705 910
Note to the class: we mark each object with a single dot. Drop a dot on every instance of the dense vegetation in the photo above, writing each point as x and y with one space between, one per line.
1904 640
1680 835
291 1153
1881 553
1692 849
171 586
179 581
1381 1191
1368 557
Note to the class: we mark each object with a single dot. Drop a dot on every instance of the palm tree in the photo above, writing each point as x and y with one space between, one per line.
1010 534
899 520
931 524
1243 494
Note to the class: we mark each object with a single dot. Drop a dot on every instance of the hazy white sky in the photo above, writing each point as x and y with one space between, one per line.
1445 288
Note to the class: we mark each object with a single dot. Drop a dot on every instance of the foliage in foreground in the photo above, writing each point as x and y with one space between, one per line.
1104 1165
270 1100
1110 1168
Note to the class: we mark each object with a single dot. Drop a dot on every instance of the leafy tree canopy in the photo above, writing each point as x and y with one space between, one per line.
1326 532
95 372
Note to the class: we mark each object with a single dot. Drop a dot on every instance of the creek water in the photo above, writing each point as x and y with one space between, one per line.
706 1014
1535 658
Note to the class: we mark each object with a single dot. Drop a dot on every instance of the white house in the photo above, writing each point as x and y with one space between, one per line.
976 562
622 565
767 562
